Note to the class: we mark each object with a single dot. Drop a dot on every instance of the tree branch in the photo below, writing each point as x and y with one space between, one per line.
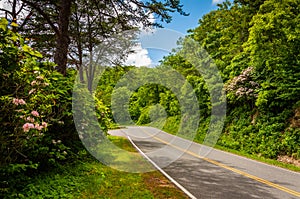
46 17
25 20
22 6
7 11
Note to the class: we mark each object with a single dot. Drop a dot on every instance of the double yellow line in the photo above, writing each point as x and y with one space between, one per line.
292 192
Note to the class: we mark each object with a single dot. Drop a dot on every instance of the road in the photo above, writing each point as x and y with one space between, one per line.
211 173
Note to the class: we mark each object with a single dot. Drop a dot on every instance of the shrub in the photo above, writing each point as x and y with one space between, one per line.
35 106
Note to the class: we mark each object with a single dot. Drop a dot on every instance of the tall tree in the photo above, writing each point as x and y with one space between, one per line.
116 14
273 46
96 41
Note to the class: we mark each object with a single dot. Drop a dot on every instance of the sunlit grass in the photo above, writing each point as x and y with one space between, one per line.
88 178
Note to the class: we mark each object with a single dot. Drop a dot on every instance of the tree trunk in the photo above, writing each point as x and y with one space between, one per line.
80 67
62 38
14 14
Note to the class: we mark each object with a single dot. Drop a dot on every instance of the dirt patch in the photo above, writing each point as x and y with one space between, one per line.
161 187
295 120
289 160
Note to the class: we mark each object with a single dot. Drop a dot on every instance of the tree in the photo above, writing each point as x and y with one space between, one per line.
95 44
273 46
113 15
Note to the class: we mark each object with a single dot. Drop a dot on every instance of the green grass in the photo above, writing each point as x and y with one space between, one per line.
261 159
89 178
171 129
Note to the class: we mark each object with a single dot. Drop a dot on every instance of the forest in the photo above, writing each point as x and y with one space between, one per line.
44 52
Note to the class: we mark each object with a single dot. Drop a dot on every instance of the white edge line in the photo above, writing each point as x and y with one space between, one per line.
162 171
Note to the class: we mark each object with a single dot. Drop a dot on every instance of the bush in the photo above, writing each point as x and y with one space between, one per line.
37 129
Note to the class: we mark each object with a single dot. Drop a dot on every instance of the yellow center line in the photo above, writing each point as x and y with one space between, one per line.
292 192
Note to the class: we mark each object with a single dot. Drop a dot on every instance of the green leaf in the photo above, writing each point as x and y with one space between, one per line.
13 24
3 24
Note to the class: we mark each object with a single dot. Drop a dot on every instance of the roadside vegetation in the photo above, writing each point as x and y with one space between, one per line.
254 44
41 53
88 178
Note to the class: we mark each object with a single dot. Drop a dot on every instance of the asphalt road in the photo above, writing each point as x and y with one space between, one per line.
211 173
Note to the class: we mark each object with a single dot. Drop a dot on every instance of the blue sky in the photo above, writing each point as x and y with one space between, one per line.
196 9
150 56
180 24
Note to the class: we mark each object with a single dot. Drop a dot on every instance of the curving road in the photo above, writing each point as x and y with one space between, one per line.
209 173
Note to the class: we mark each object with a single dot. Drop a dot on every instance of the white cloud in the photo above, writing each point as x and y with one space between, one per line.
139 57
5 5
217 1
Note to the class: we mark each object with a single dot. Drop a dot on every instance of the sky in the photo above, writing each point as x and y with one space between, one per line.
196 9
149 56
179 26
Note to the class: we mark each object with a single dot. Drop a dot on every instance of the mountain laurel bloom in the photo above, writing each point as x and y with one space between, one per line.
30 119
40 77
28 126
38 127
18 101
44 124
35 113
32 91
242 85
33 83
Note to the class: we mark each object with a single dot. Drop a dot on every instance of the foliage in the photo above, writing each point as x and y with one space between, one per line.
71 28
87 178
34 101
242 87
273 46
255 47
37 130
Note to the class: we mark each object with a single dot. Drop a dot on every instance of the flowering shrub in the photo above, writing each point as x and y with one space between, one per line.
242 86
35 101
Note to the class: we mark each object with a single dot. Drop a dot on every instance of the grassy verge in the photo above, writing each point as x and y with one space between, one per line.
261 159
174 128
90 179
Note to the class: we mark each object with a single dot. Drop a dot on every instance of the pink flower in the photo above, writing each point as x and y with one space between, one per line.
30 119
38 127
27 127
40 77
33 83
31 91
44 124
22 102
35 113
18 101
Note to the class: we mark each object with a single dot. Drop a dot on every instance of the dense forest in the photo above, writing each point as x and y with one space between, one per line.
254 45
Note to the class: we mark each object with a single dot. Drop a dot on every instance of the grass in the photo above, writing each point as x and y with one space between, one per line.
88 178
261 159
171 129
